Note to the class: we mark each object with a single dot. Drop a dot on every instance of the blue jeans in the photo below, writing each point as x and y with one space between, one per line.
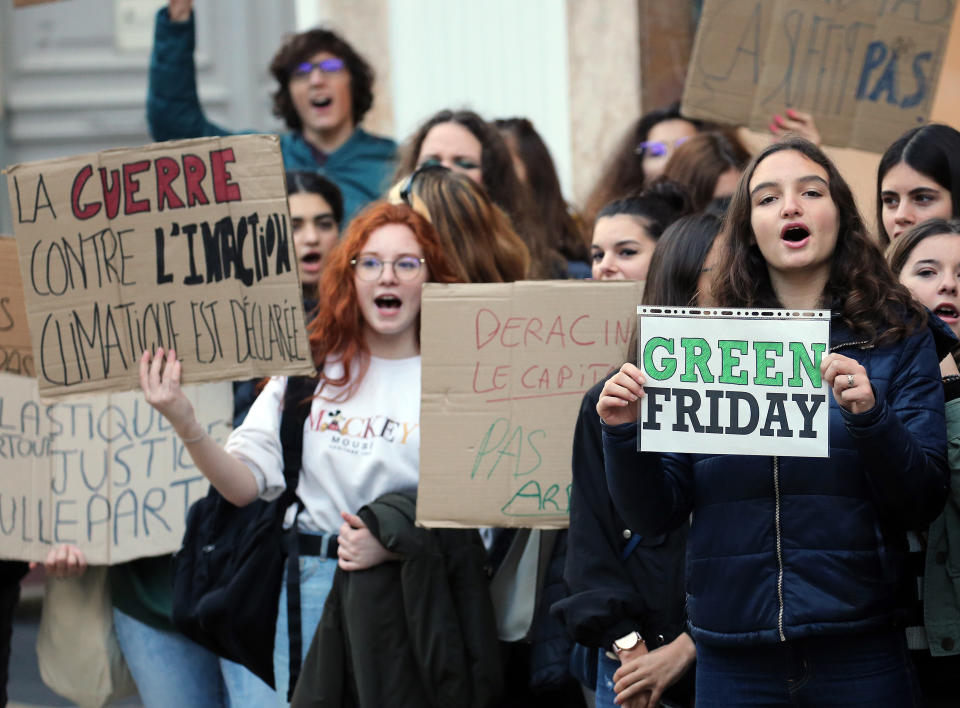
316 579
862 670
605 670
171 670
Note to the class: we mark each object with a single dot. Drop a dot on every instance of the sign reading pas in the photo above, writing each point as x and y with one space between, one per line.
866 69
182 245
733 381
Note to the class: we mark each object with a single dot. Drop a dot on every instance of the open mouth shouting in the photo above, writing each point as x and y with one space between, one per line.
947 312
387 304
310 262
321 102
795 235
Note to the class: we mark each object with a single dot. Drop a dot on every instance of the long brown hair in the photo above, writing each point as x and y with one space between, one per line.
499 179
541 178
701 160
338 327
860 286
678 260
474 229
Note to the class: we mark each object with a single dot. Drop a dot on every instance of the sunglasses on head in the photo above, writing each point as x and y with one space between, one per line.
332 65
406 190
658 148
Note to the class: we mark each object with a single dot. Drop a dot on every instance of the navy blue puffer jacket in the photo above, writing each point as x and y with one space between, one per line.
783 547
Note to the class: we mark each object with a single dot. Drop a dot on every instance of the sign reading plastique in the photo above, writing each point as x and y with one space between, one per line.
721 381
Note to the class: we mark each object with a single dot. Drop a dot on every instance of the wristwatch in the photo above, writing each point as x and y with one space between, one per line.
627 642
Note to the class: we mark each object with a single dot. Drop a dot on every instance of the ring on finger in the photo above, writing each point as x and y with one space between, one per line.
850 383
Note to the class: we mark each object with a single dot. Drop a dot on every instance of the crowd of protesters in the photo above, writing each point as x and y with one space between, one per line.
683 579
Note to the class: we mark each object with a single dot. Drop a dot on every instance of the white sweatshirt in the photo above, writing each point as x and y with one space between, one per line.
353 452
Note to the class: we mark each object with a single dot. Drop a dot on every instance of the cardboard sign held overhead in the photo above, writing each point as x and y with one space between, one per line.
16 354
866 69
183 245
734 382
106 473
505 367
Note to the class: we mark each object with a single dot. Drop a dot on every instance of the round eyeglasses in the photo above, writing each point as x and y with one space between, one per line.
371 267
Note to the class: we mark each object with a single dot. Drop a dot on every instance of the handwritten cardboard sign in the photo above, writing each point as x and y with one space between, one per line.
104 472
734 382
183 245
16 354
866 69
505 367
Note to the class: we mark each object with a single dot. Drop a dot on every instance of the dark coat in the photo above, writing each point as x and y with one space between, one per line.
416 633
610 597
785 548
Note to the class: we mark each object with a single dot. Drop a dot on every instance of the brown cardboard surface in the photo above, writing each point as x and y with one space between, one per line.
25 3
505 367
183 245
946 105
104 472
16 354
866 69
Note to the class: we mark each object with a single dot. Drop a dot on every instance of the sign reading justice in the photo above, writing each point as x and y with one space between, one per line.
183 245
104 472
734 382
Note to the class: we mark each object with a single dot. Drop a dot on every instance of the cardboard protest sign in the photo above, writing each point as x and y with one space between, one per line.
505 367
866 69
16 354
104 472
733 382
183 245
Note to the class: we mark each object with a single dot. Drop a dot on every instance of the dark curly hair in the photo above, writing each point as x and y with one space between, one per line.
300 47
860 286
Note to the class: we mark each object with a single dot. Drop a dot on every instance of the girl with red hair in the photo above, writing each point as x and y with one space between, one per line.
361 439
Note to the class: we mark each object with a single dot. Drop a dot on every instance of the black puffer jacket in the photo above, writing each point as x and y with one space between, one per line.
416 633
610 596
793 547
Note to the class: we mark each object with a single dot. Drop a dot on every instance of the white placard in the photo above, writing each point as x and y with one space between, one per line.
744 382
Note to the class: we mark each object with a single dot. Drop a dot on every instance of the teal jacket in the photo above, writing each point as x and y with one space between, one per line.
941 578
361 167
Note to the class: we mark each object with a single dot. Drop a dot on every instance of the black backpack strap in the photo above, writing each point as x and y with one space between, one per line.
296 408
